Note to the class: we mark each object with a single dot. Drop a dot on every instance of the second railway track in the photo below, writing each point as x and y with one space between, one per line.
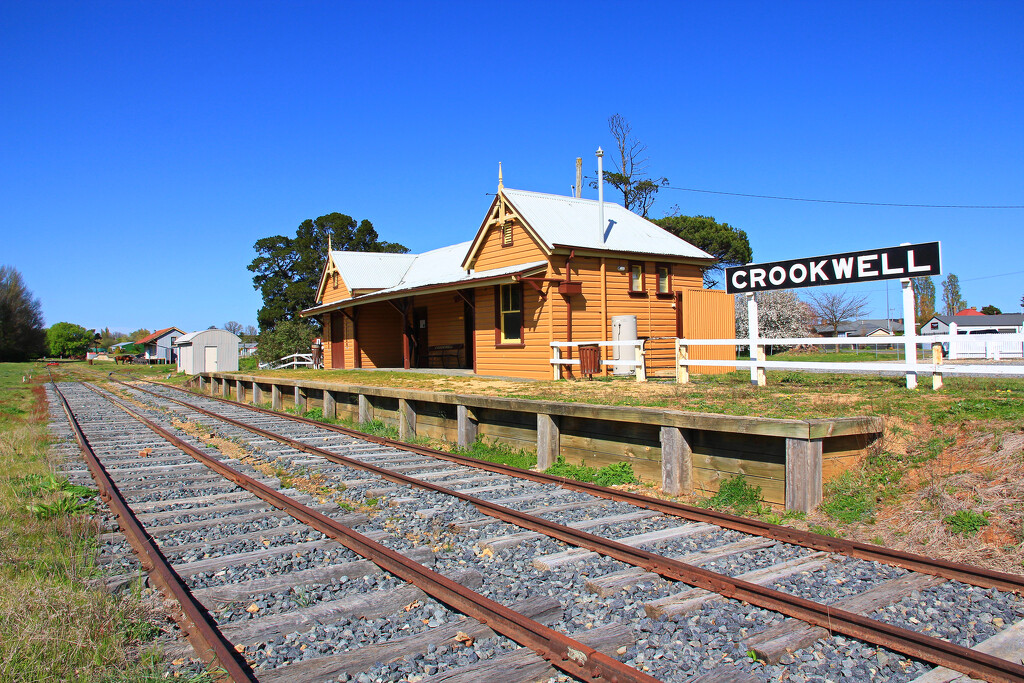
651 597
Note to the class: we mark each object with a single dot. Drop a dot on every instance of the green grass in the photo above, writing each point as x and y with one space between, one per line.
609 475
966 522
53 627
737 496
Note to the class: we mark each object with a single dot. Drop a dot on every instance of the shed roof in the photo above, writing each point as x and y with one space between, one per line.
187 339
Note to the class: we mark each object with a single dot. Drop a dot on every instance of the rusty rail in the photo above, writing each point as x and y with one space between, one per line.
977 576
200 628
563 652
911 643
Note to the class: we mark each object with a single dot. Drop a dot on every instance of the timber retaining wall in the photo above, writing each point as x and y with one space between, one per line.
683 452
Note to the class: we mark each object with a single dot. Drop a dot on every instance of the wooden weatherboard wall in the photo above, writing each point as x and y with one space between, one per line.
682 451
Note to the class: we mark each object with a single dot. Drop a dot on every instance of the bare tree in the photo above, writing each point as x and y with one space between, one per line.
233 327
251 331
630 175
832 308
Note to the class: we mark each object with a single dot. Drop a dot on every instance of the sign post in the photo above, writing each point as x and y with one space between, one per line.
890 263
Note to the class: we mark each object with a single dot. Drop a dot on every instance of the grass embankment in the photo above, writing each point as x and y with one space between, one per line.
944 480
53 627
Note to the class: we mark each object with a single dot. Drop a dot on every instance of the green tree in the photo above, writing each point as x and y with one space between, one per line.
284 339
21 319
287 269
924 299
68 339
726 243
138 334
991 310
630 174
951 299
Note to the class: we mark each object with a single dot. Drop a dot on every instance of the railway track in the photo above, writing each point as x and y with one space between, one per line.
645 580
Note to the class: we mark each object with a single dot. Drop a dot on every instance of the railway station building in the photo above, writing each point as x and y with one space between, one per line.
541 268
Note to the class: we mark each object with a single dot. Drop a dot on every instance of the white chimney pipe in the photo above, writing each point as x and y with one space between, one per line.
600 191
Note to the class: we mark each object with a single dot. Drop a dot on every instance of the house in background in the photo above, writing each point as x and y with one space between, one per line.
247 349
870 327
972 322
969 326
159 346
541 268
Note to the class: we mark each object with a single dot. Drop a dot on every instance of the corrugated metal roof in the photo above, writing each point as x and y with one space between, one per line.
574 222
447 278
187 339
371 270
367 270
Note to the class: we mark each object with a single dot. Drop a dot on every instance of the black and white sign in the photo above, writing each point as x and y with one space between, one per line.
909 260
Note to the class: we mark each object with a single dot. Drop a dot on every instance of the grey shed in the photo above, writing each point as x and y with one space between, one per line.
207 351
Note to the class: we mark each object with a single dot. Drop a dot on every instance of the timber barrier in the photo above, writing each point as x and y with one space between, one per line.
683 452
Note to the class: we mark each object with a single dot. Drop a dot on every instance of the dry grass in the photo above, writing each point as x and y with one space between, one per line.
53 625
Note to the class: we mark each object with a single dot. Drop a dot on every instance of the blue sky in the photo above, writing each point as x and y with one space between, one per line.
147 146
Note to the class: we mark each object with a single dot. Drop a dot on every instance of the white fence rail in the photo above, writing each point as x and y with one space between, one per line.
639 362
990 346
296 360
993 346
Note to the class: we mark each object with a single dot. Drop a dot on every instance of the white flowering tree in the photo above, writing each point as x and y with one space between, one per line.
780 313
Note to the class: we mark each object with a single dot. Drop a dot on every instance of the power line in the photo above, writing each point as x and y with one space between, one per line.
839 201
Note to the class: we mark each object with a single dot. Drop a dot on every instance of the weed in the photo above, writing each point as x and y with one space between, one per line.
877 540
372 502
499 453
615 473
824 531
737 495
965 522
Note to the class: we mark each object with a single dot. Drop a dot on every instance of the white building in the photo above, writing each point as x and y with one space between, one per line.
207 351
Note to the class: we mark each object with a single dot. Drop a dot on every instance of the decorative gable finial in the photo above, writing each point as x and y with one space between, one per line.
329 249
501 185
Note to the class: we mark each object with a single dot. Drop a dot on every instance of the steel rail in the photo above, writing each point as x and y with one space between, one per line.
200 628
905 641
956 571
563 652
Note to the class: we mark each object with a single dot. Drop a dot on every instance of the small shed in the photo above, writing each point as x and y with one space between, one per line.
207 351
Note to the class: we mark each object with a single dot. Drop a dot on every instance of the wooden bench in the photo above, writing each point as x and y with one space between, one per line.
444 353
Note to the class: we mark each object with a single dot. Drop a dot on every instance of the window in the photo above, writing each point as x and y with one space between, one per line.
664 279
510 315
935 325
636 277
506 235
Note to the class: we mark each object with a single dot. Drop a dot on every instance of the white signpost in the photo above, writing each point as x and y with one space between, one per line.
903 262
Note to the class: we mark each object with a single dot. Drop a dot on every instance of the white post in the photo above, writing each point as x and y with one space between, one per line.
600 193
682 355
952 337
641 356
909 332
556 368
757 376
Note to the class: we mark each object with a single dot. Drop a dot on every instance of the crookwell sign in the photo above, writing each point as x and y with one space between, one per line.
909 260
